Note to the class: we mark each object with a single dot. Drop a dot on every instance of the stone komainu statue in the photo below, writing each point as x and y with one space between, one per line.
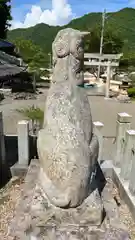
67 148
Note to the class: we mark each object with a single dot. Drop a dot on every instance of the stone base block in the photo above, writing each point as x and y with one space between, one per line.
107 98
107 167
18 170
37 219
124 191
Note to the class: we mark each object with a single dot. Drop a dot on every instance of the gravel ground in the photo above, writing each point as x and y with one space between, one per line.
125 214
10 196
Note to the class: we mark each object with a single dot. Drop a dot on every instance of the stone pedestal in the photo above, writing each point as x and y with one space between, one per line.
37 219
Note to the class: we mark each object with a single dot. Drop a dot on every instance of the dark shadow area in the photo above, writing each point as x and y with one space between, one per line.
11 146
5 174
41 85
97 179
103 215
100 178
33 147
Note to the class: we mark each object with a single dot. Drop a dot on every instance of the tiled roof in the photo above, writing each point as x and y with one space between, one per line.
10 70
9 65
5 44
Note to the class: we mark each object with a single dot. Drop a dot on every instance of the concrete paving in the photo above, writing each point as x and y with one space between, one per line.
106 111
103 110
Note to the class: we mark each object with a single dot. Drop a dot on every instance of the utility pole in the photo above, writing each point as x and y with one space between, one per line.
102 39
50 60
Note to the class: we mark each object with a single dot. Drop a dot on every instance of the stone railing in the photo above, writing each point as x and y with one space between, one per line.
124 150
124 160
19 149
122 167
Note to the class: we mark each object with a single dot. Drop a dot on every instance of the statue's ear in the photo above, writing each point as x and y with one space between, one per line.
83 34
61 45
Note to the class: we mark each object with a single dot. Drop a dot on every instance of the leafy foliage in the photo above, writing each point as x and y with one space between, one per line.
32 54
35 114
131 92
112 42
5 17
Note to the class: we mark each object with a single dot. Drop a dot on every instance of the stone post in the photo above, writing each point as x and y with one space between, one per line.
98 126
128 155
2 141
23 143
123 124
108 80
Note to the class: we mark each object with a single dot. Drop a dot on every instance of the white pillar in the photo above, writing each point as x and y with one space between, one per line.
108 80
128 156
2 141
123 124
23 142
98 126
132 174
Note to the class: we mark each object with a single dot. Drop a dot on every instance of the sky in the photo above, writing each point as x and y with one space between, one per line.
27 13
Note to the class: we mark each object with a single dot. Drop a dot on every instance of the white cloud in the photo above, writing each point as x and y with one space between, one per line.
60 14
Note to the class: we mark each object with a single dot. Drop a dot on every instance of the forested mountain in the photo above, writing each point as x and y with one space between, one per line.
35 43
121 22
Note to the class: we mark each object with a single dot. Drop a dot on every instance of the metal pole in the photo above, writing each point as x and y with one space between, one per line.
102 39
50 60
50 63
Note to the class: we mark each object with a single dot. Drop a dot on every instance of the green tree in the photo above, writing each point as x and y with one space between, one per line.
40 60
35 114
112 42
26 49
31 54
5 17
92 43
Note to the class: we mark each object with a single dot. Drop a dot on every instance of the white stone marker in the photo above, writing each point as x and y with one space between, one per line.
108 80
98 126
23 143
132 173
126 165
123 124
2 141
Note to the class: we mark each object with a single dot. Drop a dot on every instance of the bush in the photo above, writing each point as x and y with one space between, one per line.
1 96
35 114
131 92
